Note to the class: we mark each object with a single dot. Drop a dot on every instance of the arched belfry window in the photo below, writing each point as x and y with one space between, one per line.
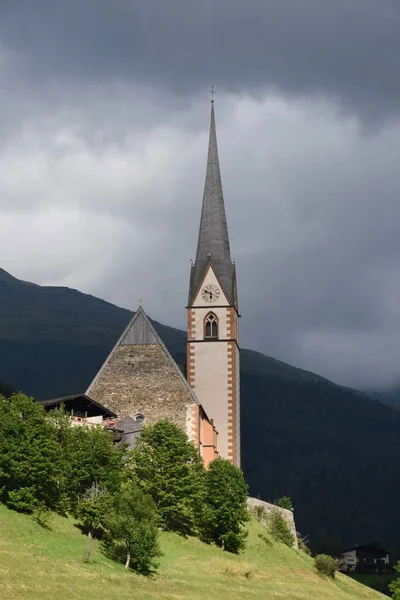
211 327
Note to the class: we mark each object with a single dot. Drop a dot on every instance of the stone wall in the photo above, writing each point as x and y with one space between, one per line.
254 503
142 379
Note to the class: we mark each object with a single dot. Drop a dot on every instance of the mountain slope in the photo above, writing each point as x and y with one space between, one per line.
389 397
332 449
43 564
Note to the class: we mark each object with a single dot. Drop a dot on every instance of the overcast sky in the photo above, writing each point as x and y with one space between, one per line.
103 140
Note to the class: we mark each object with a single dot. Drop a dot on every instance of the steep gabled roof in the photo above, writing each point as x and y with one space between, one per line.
213 242
140 332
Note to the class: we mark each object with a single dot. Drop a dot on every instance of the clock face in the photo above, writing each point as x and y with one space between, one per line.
210 293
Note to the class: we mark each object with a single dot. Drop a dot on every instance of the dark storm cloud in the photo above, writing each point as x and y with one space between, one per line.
348 49
103 140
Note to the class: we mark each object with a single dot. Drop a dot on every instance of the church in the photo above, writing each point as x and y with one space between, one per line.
140 381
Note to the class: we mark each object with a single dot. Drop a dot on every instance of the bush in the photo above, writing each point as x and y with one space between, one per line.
394 586
42 515
325 564
22 499
303 544
278 527
259 513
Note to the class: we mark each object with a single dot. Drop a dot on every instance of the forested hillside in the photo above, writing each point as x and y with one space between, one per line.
333 450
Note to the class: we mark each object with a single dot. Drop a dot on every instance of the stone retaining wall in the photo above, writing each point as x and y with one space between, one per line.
254 503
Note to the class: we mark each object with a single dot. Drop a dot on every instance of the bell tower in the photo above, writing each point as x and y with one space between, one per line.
213 356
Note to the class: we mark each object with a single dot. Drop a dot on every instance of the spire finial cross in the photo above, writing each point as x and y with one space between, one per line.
212 93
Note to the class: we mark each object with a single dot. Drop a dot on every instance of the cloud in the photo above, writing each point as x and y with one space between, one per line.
335 48
110 204
103 142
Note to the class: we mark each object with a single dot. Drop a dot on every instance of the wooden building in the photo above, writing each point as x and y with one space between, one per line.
82 410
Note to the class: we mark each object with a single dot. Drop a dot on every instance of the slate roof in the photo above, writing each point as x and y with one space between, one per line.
129 425
140 332
213 242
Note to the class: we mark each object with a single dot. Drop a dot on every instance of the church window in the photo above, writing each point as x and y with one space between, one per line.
139 418
211 327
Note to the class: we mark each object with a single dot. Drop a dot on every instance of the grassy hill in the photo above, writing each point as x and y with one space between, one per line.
331 449
43 564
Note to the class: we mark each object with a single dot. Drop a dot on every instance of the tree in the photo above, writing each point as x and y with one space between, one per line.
89 458
394 586
226 511
284 502
132 526
278 527
169 468
30 457
92 508
6 389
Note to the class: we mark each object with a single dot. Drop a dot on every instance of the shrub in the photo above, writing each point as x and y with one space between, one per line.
88 550
22 499
42 515
259 512
278 527
303 543
325 564
394 586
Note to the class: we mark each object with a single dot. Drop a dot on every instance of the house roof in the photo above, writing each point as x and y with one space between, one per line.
80 402
367 550
129 425
140 332
213 241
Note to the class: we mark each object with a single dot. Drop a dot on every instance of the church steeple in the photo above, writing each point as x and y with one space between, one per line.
213 355
213 241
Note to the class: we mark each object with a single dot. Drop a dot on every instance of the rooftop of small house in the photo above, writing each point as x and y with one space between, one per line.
368 550
79 405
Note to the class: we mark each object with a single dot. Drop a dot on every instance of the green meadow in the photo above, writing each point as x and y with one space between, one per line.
39 563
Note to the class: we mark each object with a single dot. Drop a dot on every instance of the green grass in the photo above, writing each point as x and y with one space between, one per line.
46 564
377 581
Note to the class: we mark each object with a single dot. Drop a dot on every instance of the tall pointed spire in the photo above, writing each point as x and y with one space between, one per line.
213 241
